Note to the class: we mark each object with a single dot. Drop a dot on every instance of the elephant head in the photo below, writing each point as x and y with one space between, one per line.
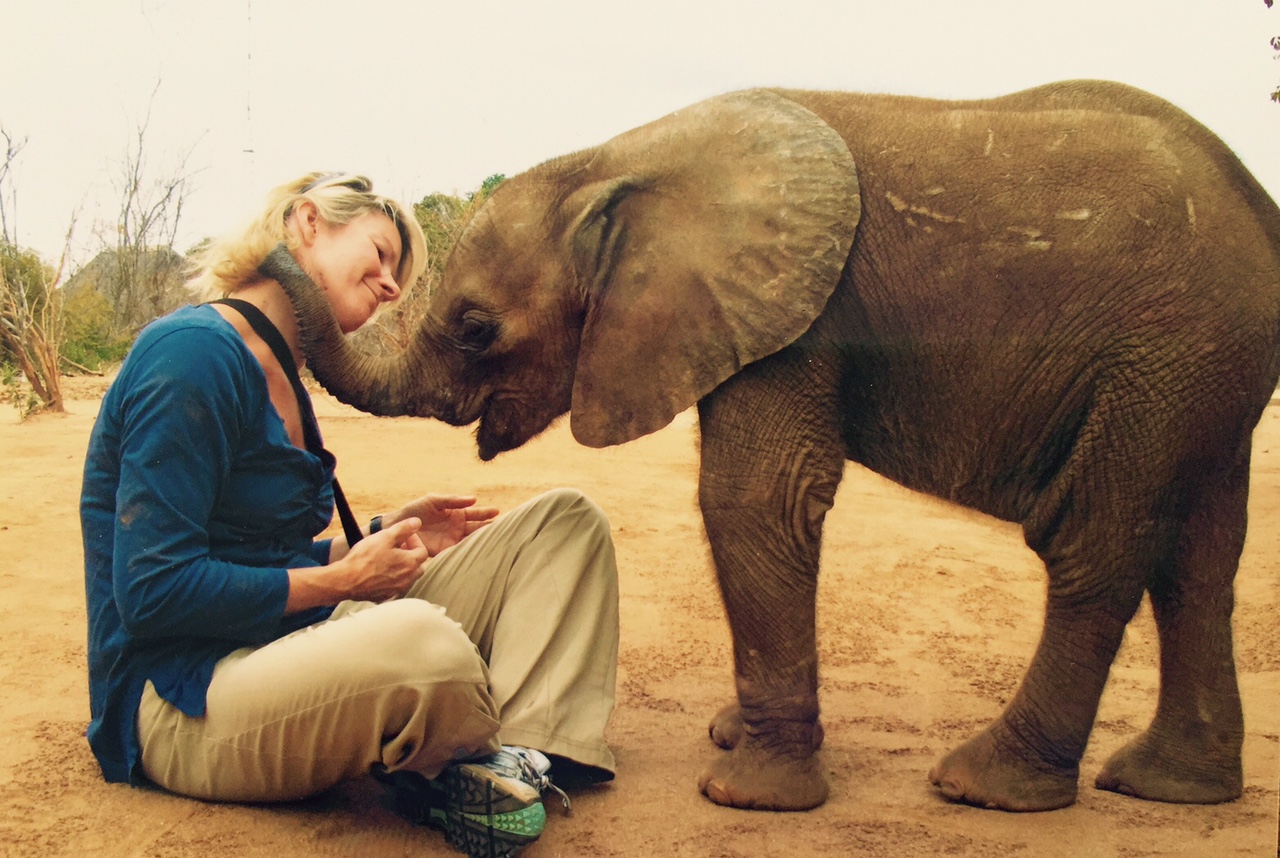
623 282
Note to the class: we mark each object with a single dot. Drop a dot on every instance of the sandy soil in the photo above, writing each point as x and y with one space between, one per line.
928 615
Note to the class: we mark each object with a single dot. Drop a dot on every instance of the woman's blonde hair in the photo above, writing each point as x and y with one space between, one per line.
226 264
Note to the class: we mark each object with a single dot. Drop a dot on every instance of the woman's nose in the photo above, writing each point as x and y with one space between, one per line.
388 288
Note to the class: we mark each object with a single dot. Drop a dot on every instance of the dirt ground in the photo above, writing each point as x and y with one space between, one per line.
928 615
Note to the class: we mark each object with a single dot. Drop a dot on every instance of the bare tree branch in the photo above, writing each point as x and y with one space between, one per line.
31 319
144 266
12 149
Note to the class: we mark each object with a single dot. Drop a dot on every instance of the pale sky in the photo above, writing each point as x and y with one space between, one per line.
426 96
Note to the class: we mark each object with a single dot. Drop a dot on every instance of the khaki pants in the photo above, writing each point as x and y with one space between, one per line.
510 637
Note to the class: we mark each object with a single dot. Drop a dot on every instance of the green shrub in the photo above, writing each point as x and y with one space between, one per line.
87 336
15 392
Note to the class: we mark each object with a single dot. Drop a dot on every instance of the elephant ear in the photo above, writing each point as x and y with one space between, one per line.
713 238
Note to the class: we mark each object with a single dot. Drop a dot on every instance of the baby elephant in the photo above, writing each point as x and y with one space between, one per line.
1060 307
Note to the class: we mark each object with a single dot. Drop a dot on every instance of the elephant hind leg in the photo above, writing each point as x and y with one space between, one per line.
1191 751
1028 758
1100 531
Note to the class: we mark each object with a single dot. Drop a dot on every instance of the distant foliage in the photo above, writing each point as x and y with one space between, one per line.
89 338
47 328
24 272
138 285
489 185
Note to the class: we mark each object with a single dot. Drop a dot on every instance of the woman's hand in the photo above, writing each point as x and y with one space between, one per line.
380 567
446 519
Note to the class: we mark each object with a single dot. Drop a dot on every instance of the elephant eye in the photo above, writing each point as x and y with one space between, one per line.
476 332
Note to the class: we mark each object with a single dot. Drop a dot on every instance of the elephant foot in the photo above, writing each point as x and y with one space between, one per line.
751 778
985 773
727 728
1161 771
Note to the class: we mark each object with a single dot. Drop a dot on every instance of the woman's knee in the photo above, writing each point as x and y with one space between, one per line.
583 514
416 641
584 539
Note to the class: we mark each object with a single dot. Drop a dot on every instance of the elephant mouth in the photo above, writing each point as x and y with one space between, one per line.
498 430
507 423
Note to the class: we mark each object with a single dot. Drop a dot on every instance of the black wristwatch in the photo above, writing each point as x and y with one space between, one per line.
375 524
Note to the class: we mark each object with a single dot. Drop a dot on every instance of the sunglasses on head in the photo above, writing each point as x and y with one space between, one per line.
349 180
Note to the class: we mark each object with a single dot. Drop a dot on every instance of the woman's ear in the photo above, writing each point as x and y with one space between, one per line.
304 220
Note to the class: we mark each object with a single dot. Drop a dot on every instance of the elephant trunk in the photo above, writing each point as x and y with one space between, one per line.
378 385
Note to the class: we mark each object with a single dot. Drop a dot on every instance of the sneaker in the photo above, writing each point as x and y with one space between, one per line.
531 766
487 808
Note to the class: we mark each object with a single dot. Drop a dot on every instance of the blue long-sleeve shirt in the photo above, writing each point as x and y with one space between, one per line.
194 505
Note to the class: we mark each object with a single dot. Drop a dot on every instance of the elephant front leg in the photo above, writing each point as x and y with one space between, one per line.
774 728
774 765
726 728
764 496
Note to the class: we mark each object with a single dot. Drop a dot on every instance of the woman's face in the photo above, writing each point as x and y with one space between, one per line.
353 263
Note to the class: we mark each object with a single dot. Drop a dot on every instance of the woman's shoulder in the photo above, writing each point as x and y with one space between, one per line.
195 344
191 318
195 331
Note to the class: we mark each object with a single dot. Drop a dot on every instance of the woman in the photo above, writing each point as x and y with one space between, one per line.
232 656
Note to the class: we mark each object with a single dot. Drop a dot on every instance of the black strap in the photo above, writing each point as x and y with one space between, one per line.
310 427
